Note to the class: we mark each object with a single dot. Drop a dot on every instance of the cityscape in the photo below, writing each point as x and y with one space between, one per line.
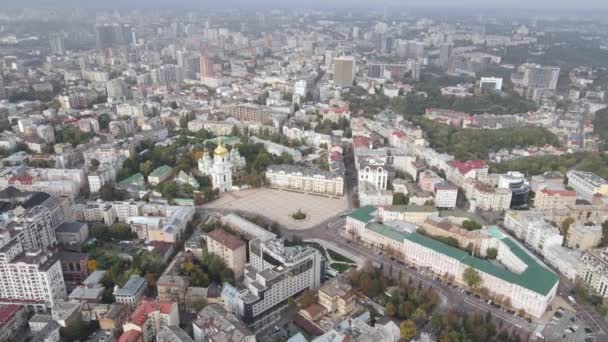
183 171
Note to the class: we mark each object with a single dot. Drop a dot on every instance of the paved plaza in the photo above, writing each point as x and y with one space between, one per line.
278 205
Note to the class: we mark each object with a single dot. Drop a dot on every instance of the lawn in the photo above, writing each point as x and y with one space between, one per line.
341 267
339 257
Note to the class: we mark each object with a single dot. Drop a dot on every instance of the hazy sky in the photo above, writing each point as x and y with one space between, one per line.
511 4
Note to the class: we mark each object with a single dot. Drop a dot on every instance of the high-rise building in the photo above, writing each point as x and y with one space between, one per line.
116 88
31 278
540 77
206 67
344 71
275 274
2 88
445 52
57 44
109 35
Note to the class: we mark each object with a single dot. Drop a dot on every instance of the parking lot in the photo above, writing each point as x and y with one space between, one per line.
279 205
565 325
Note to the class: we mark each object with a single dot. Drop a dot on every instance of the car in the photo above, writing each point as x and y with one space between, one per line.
477 296
529 320
468 292
392 258
589 339
588 330
449 283
572 319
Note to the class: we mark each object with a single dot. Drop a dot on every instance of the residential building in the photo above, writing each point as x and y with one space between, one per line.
587 184
428 179
213 323
246 228
446 195
173 334
370 195
150 317
551 198
32 278
172 288
13 319
357 330
74 267
305 179
472 169
594 270
337 296
105 174
415 214
131 293
374 171
583 237
344 71
278 149
229 248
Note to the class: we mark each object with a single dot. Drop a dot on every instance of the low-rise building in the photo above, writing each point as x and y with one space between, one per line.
172 288
131 293
550 198
13 319
72 233
160 175
446 195
587 184
305 180
583 237
150 317
337 296
213 323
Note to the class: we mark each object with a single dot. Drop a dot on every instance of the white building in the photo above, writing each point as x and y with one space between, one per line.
132 293
521 279
446 195
275 274
305 180
493 83
33 278
587 184
220 168
105 174
594 270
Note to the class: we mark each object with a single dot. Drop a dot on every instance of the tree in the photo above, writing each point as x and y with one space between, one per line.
566 225
198 304
104 121
100 231
491 253
91 265
146 168
471 225
408 329
94 164
307 298
472 277
389 309
400 199
419 314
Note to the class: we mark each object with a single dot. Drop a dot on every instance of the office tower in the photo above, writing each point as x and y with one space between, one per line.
167 75
387 45
206 67
445 52
116 88
57 44
414 49
344 71
190 63
355 32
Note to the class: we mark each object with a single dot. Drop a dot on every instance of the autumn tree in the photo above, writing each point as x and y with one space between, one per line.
408 329
389 309
472 277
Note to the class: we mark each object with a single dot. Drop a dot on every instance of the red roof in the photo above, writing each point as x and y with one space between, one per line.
226 239
466 167
360 142
21 179
399 134
8 312
552 192
146 307
130 336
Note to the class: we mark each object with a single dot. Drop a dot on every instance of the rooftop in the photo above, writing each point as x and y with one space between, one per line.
160 171
146 307
132 286
363 214
226 239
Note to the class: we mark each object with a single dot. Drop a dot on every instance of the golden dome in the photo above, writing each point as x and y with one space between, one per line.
220 150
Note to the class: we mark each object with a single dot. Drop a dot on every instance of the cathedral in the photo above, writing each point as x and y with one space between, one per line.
221 166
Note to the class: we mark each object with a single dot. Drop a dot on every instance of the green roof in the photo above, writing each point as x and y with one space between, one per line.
363 214
535 277
412 208
160 171
135 179
387 231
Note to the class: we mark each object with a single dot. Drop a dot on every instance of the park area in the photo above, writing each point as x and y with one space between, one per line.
279 206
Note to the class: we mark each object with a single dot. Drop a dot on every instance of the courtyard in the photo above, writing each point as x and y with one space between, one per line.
279 205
